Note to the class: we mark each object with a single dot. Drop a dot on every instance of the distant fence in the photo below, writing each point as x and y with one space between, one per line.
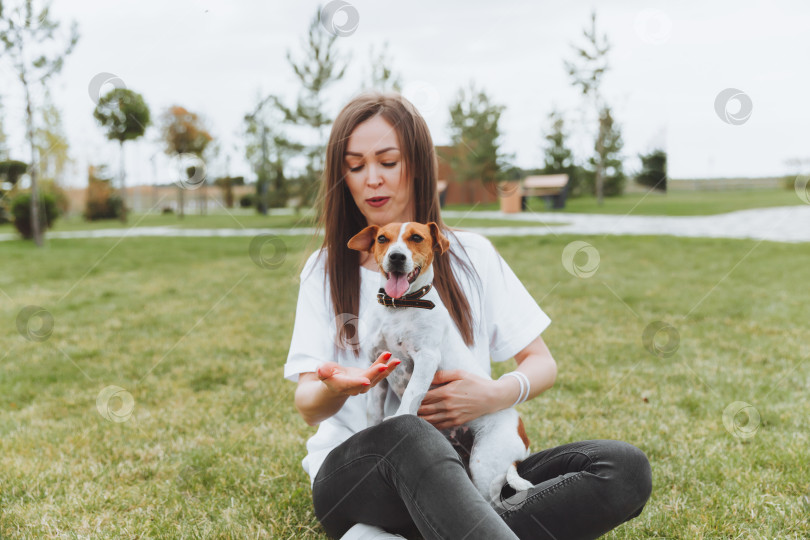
725 184
156 198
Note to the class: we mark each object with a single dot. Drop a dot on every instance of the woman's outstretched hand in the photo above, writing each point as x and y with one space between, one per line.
350 381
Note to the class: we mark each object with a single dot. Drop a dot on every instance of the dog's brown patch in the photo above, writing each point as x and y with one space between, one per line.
522 433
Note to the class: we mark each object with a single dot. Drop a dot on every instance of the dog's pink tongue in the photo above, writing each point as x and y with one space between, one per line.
396 285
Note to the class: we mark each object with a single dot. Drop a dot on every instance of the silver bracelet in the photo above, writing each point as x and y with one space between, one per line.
525 387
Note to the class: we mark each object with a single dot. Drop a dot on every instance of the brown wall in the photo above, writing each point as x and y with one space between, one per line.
458 193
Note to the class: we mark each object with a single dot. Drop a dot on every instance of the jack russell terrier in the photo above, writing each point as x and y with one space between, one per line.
418 330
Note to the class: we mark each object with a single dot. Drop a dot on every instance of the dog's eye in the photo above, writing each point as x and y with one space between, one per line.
416 238
382 239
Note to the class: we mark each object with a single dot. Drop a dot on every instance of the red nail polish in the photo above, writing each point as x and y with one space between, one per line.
387 355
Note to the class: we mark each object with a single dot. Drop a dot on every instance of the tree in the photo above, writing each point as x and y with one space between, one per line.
185 135
588 77
27 33
382 77
558 158
268 150
610 155
125 116
653 170
3 137
321 67
474 133
226 183
51 143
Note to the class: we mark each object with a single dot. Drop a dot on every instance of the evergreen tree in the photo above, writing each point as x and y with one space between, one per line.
588 77
474 132
382 77
558 157
653 170
321 66
269 150
610 155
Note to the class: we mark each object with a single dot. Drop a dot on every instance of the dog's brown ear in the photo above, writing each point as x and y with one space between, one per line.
440 242
364 240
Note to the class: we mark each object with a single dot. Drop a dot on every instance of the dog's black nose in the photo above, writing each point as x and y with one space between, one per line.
397 257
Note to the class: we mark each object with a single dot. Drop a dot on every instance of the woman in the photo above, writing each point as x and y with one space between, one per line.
404 476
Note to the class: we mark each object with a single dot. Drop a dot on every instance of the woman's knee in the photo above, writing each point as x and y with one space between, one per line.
630 473
413 436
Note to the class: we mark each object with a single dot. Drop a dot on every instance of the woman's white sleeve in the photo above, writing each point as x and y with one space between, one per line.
312 341
513 317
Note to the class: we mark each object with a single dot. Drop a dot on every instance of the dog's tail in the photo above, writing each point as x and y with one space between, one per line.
515 481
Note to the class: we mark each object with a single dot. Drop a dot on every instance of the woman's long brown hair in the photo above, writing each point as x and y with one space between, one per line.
340 218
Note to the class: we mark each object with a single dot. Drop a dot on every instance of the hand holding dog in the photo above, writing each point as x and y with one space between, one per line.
351 381
462 397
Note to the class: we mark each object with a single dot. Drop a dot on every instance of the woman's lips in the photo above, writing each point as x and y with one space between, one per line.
377 201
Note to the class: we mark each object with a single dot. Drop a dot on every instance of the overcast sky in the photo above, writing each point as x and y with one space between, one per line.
669 62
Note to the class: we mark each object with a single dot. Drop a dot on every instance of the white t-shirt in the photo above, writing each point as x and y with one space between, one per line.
505 322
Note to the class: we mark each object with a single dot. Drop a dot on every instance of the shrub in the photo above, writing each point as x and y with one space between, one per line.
247 200
102 202
653 172
21 210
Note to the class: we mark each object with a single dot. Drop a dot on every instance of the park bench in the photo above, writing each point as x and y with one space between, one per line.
552 187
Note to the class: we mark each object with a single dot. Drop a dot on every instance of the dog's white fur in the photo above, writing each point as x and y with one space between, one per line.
426 340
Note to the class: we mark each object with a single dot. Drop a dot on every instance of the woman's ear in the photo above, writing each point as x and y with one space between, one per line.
440 242
364 240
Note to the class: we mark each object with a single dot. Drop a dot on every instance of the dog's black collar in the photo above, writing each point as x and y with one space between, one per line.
409 300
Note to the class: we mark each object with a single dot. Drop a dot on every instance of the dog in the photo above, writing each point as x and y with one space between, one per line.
417 329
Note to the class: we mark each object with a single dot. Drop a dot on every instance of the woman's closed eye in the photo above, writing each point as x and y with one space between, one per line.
360 167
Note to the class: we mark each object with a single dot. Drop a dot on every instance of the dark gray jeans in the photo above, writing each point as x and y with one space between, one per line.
404 476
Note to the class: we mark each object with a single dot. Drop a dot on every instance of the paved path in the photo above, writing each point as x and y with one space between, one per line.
780 224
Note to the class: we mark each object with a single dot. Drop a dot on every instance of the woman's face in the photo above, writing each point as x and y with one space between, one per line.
375 173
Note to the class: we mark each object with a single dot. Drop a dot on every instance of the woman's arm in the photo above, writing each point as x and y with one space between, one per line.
321 394
465 396
534 361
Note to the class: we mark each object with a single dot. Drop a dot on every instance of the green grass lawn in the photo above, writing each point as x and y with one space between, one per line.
197 335
677 203
236 220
